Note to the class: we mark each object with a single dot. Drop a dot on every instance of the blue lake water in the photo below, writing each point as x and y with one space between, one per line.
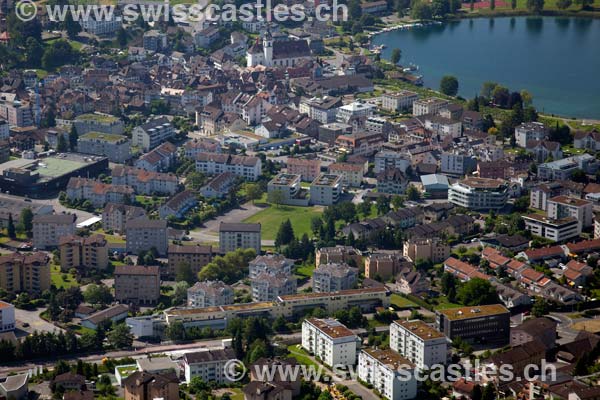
556 59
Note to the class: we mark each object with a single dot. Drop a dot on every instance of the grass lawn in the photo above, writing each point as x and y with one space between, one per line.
444 304
305 271
111 238
79 330
301 355
57 278
271 218
402 302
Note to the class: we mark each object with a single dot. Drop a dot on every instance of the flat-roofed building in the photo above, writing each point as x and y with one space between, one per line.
326 189
564 206
115 147
287 184
419 342
557 230
239 235
209 365
479 193
430 105
483 324
7 316
389 373
83 252
101 123
152 133
28 273
322 109
433 249
338 254
330 340
137 284
399 101
352 174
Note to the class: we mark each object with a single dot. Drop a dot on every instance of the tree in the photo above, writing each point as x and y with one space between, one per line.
540 307
397 202
176 331
584 3
195 180
421 10
97 294
27 219
579 176
492 5
535 6
449 85
62 146
183 272
315 224
73 138
382 204
122 37
11 227
253 191
440 8
71 26
276 197
477 291
33 52
197 385
285 234
58 53
396 55
228 268
364 208
412 193
120 337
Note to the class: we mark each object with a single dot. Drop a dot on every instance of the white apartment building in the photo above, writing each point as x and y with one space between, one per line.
333 277
270 263
209 294
479 193
48 229
7 316
389 373
443 127
208 365
234 236
420 343
115 147
557 230
287 184
387 159
530 131
356 109
101 26
154 132
245 167
398 101
430 105
326 189
563 169
563 206
268 287
457 164
322 109
145 182
330 341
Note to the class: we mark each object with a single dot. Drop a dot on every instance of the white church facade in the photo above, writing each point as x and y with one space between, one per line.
277 53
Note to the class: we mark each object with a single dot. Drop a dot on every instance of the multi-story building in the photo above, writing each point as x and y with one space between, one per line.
308 169
155 40
587 140
338 254
540 194
330 341
479 193
352 174
419 342
443 127
209 294
148 386
384 264
563 206
145 182
4 130
195 256
83 252
333 277
322 109
149 135
326 189
270 263
137 284
234 236
392 375
28 273
392 181
101 123
429 105
209 365
556 230
288 185
268 287
245 167
219 186
144 234
563 169
361 143
160 159
98 193
115 147
115 216
7 316
434 250
528 131
399 101
48 229
484 324
15 112
386 159
201 145
178 205
358 109
102 26
457 164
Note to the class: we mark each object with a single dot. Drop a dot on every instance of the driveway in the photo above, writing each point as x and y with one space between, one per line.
36 323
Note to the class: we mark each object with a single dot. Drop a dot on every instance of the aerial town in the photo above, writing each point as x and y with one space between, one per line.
186 205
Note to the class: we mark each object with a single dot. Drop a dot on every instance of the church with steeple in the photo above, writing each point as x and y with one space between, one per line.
277 53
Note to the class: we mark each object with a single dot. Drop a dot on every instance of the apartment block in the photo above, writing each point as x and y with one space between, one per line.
7 316
429 105
326 189
357 109
563 206
83 252
557 230
322 109
15 112
115 216
100 123
434 250
479 193
387 159
196 256
338 254
48 229
484 324
333 277
154 132
269 286
399 101
115 147
352 174
288 185
419 342
98 193
144 234
136 284
529 131
390 374
384 264
308 169
148 386
234 236
25 273
209 294
248 168
145 182
330 341
209 365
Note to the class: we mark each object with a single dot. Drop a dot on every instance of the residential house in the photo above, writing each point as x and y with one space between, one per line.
98 193
178 205
145 182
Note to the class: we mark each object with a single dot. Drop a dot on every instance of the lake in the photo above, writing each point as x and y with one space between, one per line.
556 59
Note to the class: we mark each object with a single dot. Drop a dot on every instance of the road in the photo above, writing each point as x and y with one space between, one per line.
36 323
